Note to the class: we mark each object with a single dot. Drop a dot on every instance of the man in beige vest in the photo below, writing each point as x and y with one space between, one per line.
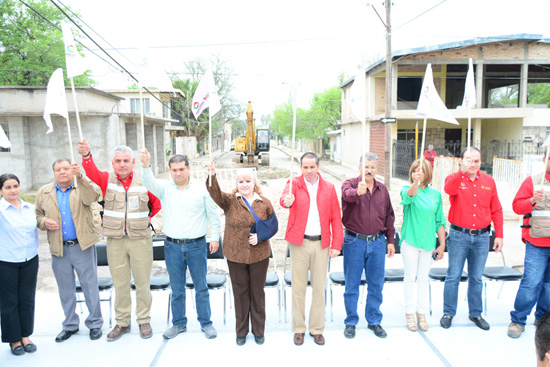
128 207
533 202
64 210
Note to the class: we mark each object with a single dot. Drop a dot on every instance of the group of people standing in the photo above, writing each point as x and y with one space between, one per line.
317 229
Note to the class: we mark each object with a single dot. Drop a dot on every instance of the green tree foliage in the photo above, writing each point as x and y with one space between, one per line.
313 123
538 93
31 48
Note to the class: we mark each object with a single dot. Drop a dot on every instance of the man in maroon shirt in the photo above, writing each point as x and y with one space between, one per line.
533 202
474 205
125 224
368 220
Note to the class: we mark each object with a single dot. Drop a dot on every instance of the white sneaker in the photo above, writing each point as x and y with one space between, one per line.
209 331
173 331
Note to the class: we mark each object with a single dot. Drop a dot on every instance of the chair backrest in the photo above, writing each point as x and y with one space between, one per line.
492 241
158 249
101 250
437 240
397 241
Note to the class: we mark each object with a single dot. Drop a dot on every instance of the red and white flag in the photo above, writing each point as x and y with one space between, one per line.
206 95
75 63
56 99
430 104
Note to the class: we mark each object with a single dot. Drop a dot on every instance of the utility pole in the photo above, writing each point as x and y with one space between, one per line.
387 152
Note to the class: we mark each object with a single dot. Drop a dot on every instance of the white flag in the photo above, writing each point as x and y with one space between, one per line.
546 142
430 104
75 63
469 100
358 96
206 95
151 76
56 100
4 141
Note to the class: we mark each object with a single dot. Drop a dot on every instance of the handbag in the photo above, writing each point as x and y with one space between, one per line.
264 228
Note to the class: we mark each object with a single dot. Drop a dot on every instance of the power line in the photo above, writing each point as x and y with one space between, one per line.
419 15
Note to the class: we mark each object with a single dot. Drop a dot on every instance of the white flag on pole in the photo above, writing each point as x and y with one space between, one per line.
206 95
430 104
4 141
546 142
151 76
469 100
56 100
75 63
358 96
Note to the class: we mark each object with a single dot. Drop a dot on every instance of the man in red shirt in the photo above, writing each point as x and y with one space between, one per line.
474 205
430 154
533 202
126 218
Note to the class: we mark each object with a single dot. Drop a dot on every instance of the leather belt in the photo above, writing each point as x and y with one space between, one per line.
70 243
472 232
368 238
183 241
312 238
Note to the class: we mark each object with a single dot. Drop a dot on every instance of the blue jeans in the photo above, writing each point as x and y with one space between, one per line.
475 249
358 255
534 286
178 258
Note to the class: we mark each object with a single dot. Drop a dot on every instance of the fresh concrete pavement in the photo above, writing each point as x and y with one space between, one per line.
462 345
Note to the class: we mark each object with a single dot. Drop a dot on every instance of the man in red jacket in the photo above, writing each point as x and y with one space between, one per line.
533 202
314 214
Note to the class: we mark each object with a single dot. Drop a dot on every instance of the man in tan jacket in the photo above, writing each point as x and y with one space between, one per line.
63 209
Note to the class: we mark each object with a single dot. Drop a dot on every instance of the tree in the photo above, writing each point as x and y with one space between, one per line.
538 93
30 47
323 115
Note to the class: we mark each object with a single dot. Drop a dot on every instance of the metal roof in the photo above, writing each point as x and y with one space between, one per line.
456 44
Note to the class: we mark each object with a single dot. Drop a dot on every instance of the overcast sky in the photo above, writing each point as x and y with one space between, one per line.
268 43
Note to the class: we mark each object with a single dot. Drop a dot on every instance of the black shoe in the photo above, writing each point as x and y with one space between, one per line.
446 321
259 339
480 322
64 335
349 331
241 340
95 333
30 348
17 351
378 331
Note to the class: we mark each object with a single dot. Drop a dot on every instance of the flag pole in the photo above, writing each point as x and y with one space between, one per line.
293 141
469 125
364 151
71 146
209 144
142 123
76 110
545 165
416 141
423 140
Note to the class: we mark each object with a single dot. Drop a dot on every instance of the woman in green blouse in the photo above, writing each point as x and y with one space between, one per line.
422 220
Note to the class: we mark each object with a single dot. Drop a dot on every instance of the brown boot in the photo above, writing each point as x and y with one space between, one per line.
145 331
117 332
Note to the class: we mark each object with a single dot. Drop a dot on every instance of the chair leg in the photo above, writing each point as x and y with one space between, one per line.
485 297
110 308
224 304
284 301
500 291
331 305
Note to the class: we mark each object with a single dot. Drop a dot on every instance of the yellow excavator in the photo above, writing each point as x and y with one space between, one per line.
254 147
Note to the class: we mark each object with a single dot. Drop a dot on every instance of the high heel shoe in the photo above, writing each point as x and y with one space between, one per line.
411 323
422 323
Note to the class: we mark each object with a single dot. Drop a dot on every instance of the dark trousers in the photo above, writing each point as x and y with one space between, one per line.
248 281
17 293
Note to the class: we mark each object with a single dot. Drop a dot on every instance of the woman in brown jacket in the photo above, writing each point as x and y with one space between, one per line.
246 258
